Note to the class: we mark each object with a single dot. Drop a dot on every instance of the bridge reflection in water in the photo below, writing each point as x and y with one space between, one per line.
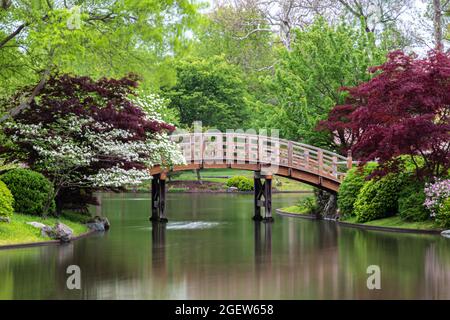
262 248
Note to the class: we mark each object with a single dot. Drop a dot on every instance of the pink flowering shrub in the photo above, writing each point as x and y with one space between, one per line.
436 194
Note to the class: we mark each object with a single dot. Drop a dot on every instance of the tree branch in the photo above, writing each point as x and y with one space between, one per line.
12 35
254 31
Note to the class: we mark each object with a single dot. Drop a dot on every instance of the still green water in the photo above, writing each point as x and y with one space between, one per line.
211 249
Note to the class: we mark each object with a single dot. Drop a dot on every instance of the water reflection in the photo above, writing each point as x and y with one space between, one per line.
263 245
216 251
159 248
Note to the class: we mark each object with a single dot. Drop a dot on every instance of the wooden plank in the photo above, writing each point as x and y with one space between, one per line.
349 160
290 153
320 161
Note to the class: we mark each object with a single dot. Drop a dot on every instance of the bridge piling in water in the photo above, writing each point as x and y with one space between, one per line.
159 198
262 197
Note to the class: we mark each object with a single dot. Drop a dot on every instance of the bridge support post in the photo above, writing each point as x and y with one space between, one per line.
159 198
262 197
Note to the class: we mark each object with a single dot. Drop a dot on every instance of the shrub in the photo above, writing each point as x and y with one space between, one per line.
31 191
308 205
350 187
436 193
410 203
6 201
378 198
240 182
443 214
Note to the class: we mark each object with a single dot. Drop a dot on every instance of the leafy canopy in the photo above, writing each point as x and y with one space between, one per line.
404 110
209 90
308 78
86 133
91 37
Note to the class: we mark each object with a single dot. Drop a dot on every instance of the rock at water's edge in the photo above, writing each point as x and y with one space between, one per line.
445 234
99 224
63 232
36 224
59 232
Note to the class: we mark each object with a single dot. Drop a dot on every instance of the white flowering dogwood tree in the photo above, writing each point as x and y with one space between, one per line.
86 134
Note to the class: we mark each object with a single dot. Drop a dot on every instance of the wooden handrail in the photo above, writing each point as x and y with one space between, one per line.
268 150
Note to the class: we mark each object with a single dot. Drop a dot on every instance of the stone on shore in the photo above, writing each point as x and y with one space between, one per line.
36 224
232 189
446 234
5 219
60 232
99 224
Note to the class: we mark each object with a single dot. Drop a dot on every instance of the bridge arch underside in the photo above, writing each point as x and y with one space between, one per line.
311 178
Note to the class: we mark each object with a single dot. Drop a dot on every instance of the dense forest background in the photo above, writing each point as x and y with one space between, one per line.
230 64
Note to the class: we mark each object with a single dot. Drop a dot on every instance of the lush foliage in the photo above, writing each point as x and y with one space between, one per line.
92 37
410 202
378 198
443 214
33 193
209 90
86 133
436 193
6 201
228 31
240 182
404 110
323 58
350 187
308 205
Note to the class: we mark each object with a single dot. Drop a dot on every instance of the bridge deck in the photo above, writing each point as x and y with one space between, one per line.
271 155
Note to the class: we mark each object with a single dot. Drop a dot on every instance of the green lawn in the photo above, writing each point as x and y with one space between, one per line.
391 222
296 210
222 175
397 222
17 231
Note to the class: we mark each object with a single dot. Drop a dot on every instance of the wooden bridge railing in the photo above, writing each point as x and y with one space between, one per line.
214 148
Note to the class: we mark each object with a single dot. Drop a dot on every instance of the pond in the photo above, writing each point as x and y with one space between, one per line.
211 249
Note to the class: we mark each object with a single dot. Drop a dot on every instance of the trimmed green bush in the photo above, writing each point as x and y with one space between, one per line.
6 201
350 187
410 203
443 214
378 198
240 182
308 205
31 191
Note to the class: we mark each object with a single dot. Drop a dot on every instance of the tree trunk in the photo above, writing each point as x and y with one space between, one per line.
437 24
59 205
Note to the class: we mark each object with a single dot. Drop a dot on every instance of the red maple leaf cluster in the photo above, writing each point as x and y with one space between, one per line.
403 110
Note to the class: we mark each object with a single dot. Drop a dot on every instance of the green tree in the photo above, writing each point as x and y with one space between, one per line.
241 34
91 37
211 91
308 78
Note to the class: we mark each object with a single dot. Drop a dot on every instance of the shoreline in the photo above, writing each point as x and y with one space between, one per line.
46 243
281 212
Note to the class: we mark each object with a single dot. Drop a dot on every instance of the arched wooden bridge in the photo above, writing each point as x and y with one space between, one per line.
265 155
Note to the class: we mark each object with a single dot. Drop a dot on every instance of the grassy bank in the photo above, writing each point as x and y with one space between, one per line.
18 231
296 210
396 222
390 222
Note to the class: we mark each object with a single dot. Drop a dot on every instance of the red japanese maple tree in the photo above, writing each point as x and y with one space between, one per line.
403 110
